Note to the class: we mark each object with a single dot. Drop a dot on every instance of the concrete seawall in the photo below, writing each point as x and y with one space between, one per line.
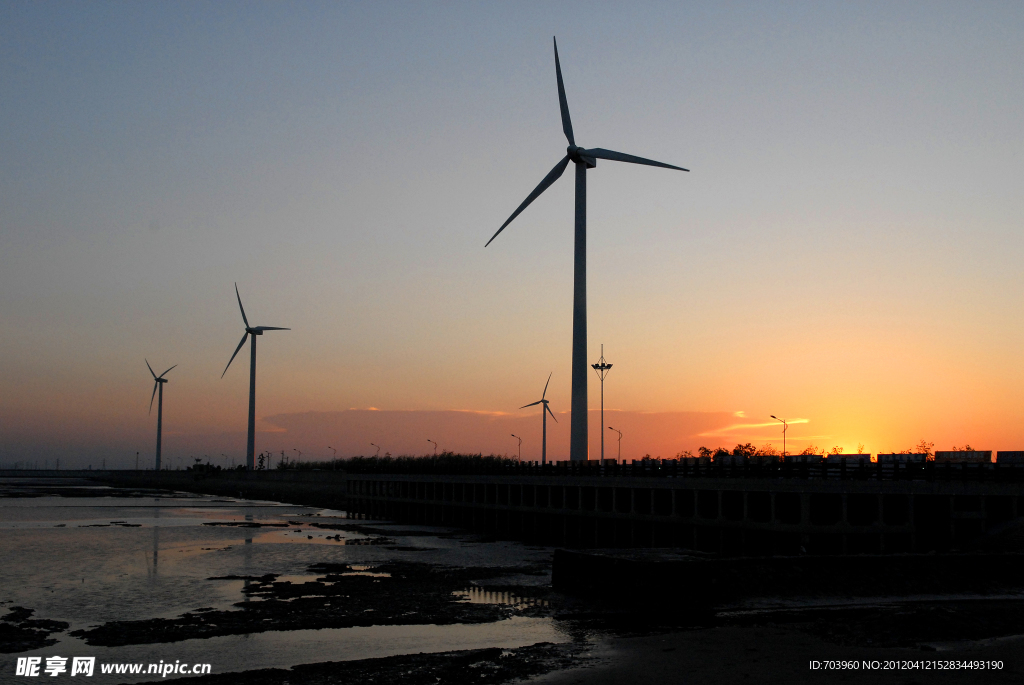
715 513
733 512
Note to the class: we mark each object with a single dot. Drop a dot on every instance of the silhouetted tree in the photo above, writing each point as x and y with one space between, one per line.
747 450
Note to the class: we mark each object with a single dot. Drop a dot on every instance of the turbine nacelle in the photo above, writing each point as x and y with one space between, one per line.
157 380
575 153
249 330
579 156
543 401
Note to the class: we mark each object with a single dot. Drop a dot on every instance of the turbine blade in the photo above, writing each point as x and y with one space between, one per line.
548 180
545 393
622 157
152 397
165 372
241 307
271 328
566 122
550 412
150 369
531 404
246 335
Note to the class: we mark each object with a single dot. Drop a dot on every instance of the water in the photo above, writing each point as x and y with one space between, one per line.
128 555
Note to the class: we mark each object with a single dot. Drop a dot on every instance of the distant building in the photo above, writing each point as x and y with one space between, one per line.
1003 457
902 458
850 459
960 457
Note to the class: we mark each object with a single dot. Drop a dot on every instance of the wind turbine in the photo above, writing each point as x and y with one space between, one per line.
253 331
583 159
544 413
158 383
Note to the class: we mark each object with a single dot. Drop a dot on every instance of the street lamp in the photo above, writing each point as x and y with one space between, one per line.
785 427
602 368
620 440
334 464
520 457
372 444
434 444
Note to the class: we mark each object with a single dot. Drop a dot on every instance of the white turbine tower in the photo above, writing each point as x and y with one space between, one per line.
583 159
544 414
250 331
158 385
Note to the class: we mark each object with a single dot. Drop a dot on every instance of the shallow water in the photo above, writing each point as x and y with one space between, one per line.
120 556
281 649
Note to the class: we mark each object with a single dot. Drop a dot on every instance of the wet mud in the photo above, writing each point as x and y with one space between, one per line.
342 596
484 666
913 624
19 632
246 524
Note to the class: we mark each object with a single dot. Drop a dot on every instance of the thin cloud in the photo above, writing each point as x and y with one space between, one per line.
732 429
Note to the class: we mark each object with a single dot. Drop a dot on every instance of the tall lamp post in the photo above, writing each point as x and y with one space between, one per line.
434 444
785 427
520 457
372 444
602 368
620 441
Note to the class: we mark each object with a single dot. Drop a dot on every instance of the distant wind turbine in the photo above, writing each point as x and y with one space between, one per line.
544 414
253 331
583 159
158 384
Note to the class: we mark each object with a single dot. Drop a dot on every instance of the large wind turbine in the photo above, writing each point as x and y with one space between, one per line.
583 159
253 331
544 415
158 383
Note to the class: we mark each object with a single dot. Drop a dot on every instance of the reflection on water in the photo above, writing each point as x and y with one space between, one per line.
156 542
150 556
478 595
282 649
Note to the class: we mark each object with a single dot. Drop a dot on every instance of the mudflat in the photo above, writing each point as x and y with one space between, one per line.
782 652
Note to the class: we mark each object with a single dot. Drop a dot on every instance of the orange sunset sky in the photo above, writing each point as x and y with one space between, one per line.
845 253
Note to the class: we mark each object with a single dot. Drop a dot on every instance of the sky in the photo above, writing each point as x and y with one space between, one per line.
844 253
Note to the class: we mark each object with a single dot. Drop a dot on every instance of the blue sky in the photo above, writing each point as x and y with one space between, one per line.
846 248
